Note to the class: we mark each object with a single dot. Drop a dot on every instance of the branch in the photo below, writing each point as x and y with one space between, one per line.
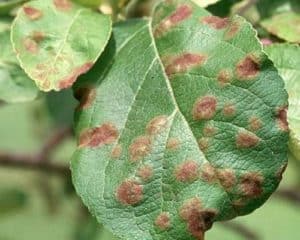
241 230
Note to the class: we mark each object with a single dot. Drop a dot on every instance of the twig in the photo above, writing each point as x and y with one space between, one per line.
241 230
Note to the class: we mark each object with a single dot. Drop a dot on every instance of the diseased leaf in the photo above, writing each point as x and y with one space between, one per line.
56 41
15 86
180 124
285 26
286 58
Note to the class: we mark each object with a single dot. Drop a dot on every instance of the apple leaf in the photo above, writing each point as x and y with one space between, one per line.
56 41
181 123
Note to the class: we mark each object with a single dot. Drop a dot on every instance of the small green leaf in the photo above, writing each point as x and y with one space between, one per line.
11 200
15 86
286 58
285 26
180 124
57 40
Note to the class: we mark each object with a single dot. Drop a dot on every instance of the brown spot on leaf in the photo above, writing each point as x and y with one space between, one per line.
85 96
130 192
232 30
163 221
187 171
139 148
246 139
63 5
251 184
173 143
38 36
68 81
180 14
95 137
198 219
205 108
184 62
32 13
30 45
280 172
247 68
116 151
229 110
157 124
254 123
281 118
145 172
208 173
226 177
209 130
203 143
215 22
224 77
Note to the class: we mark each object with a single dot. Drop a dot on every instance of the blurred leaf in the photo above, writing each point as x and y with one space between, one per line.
89 3
15 86
287 59
6 6
57 41
198 103
87 230
285 26
61 106
246 9
222 8
205 3
11 200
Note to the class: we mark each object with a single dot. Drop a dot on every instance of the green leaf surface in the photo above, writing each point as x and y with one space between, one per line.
286 58
180 124
89 3
285 26
57 40
15 86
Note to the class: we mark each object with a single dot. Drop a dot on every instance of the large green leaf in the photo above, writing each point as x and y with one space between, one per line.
15 86
180 124
285 26
287 59
56 41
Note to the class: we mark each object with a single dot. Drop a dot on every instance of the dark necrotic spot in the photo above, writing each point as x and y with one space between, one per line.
281 118
251 184
85 96
247 68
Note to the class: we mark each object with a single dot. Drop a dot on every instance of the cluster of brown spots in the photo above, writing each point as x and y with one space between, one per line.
281 118
31 45
157 124
245 139
229 110
184 62
68 81
95 137
116 151
145 172
226 177
163 221
224 77
247 68
173 143
32 13
180 14
281 171
209 130
85 96
232 30
62 5
203 143
187 171
208 173
130 192
139 148
205 108
251 184
254 123
215 22
198 219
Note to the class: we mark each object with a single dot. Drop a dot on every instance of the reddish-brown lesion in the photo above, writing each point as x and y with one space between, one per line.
245 139
208 173
145 172
248 68
281 118
157 124
224 77
116 151
107 133
32 13
86 97
232 30
129 192
173 143
251 184
180 14
30 45
184 62
204 108
215 22
255 123
139 148
63 5
229 110
227 178
163 221
187 171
